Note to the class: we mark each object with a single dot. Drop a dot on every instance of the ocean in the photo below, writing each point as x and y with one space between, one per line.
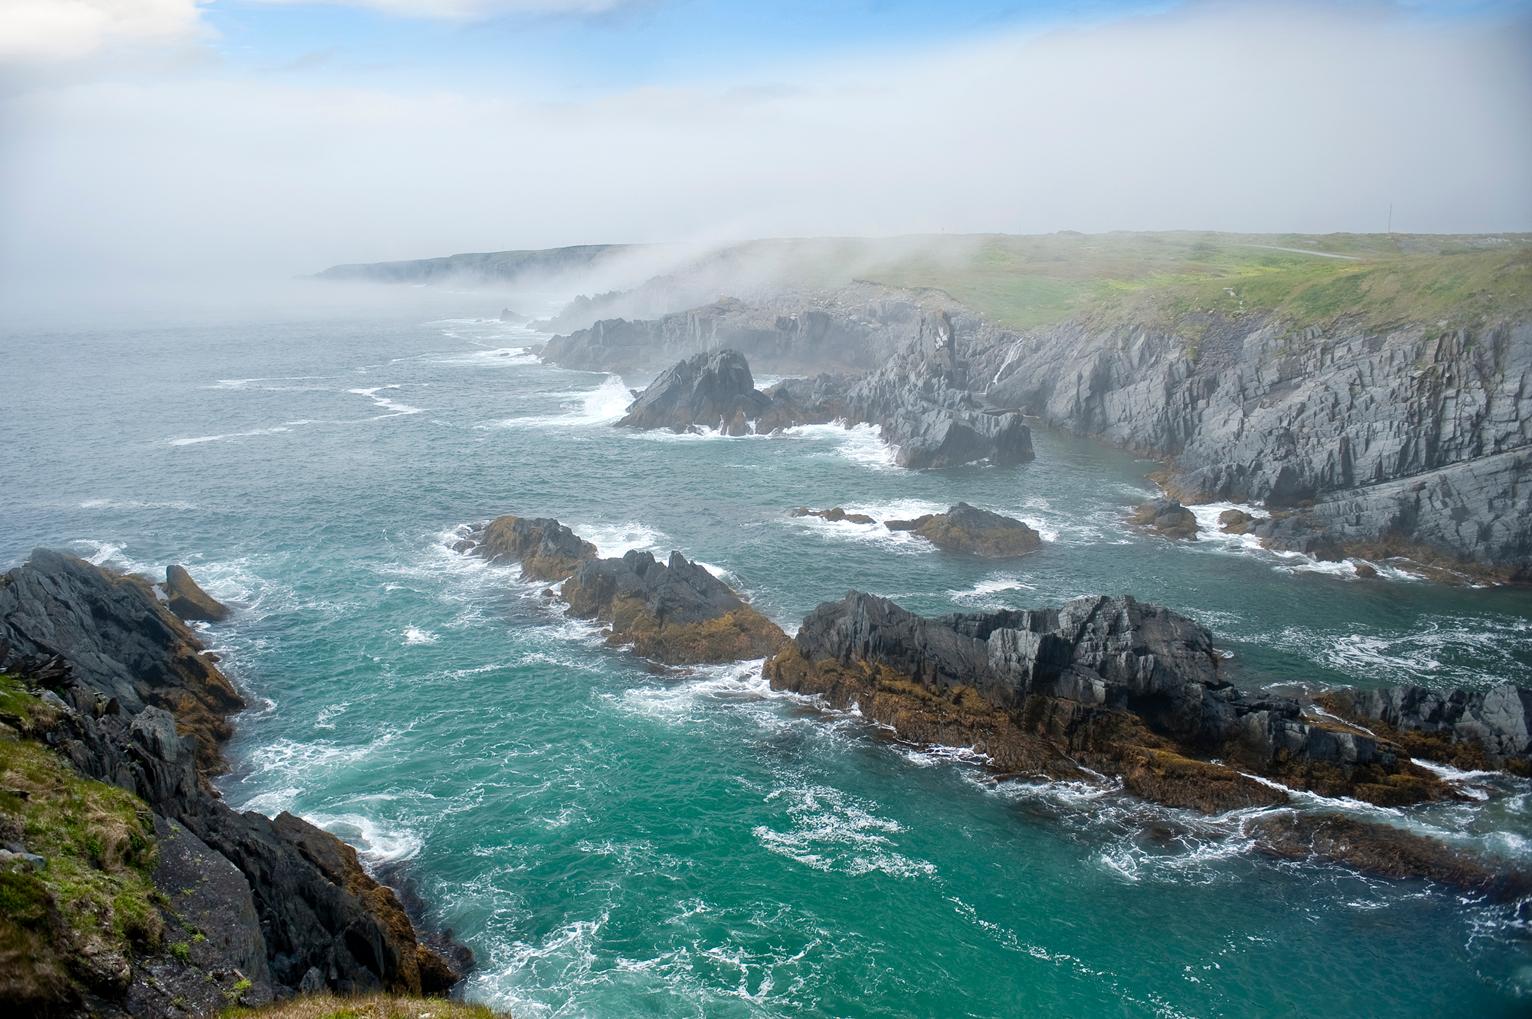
615 840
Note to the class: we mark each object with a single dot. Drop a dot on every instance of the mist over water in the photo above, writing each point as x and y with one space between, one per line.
611 840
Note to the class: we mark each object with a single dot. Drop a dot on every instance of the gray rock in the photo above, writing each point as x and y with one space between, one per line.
1498 719
187 599
712 390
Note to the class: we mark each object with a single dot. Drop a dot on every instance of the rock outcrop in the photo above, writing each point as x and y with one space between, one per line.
545 548
1167 518
1234 521
1105 685
674 612
917 401
973 531
134 700
187 599
713 391
1468 729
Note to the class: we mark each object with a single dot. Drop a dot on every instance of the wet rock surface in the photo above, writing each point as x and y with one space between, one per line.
1167 518
186 598
675 612
545 548
1470 729
973 531
834 515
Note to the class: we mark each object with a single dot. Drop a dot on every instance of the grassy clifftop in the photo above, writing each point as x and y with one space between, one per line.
1377 279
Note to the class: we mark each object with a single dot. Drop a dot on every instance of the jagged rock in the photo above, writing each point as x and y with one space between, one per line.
186 598
1105 684
1168 518
675 612
835 515
965 528
138 705
1367 571
545 548
507 315
713 390
1470 729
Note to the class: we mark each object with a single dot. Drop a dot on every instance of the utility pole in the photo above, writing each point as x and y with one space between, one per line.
1390 217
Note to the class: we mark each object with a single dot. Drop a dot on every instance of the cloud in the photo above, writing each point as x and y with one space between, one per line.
49 30
469 10
1292 119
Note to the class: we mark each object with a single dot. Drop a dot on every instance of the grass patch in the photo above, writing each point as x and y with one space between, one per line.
92 901
373 1006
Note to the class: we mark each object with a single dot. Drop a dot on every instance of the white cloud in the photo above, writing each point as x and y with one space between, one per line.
48 30
473 9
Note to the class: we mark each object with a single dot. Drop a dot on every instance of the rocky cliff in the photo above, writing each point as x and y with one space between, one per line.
1415 439
265 907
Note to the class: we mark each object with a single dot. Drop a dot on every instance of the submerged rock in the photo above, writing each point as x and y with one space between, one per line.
187 599
965 528
545 548
674 612
1104 685
1167 517
835 515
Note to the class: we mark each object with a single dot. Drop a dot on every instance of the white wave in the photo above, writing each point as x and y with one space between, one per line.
930 756
603 405
833 831
298 762
1212 538
497 357
616 539
244 383
876 532
983 593
136 504
197 440
861 444
1438 650
273 801
390 405
415 635
697 699
327 714
372 841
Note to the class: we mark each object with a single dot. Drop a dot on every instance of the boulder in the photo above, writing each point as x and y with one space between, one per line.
1366 571
1168 518
1233 521
187 599
967 529
674 612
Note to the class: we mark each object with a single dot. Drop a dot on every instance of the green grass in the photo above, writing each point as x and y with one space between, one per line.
1167 279
94 896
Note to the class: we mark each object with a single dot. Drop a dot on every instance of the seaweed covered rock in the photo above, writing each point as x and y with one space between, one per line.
545 548
1168 518
1104 685
967 529
675 612
186 598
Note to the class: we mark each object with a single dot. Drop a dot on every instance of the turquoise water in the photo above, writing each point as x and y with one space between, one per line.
616 841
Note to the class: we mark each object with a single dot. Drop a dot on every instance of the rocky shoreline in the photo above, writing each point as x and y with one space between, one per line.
244 909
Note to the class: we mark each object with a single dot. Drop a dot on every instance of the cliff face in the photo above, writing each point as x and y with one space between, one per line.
133 700
854 328
1411 437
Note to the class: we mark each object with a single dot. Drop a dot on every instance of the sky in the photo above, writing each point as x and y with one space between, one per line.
177 140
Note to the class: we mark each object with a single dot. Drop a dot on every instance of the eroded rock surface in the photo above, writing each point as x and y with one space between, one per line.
973 531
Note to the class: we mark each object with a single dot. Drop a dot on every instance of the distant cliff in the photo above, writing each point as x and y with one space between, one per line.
483 267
